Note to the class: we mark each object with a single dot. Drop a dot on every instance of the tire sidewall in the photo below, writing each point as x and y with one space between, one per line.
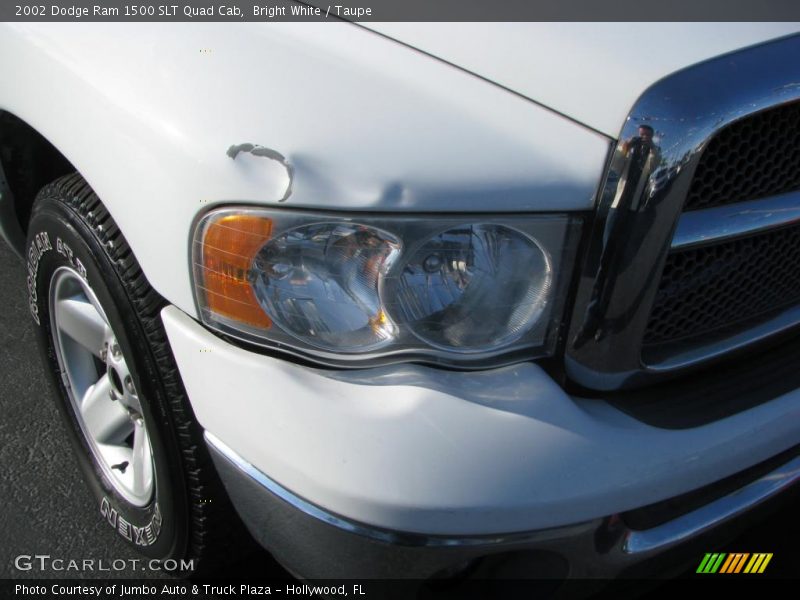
59 237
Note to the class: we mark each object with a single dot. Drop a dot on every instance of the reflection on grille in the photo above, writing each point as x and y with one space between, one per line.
708 289
753 158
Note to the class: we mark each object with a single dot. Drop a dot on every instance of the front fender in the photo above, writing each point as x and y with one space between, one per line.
148 114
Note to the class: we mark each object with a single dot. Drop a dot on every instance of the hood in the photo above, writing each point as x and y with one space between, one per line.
590 72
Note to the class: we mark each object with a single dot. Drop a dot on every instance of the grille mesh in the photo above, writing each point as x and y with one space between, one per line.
711 288
753 158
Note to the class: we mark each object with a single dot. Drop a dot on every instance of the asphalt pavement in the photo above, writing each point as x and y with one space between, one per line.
47 509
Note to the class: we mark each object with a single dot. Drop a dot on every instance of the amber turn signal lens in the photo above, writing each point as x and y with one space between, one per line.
229 245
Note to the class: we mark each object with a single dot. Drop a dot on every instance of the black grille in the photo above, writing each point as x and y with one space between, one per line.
726 285
756 157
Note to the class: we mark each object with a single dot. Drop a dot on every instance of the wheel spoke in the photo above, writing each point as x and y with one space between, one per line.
107 407
106 419
81 321
132 402
142 460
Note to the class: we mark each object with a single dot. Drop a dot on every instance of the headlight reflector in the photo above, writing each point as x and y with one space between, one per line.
464 290
320 283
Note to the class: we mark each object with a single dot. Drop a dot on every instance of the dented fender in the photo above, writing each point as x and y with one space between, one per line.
326 116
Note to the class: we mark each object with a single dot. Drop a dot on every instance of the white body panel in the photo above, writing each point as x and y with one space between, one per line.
423 450
591 72
147 112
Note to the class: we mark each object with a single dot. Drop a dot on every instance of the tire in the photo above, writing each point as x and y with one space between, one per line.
117 386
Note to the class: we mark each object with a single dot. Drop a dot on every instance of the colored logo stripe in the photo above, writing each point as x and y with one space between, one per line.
732 558
758 563
703 563
720 562
734 563
711 563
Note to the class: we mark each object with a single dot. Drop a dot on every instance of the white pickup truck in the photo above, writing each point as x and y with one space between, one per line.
423 297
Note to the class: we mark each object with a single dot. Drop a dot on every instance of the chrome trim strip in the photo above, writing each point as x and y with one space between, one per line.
698 227
377 533
714 513
627 542
287 496
641 202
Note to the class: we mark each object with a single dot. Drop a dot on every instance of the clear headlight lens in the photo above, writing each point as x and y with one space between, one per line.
464 290
320 283
365 289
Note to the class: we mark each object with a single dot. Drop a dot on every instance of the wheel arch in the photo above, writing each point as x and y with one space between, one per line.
28 161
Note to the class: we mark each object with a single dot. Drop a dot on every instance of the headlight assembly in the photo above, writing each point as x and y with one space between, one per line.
354 290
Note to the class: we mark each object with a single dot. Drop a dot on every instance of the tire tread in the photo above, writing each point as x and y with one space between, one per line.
216 536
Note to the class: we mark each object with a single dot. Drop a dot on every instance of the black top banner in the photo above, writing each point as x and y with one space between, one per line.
396 10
